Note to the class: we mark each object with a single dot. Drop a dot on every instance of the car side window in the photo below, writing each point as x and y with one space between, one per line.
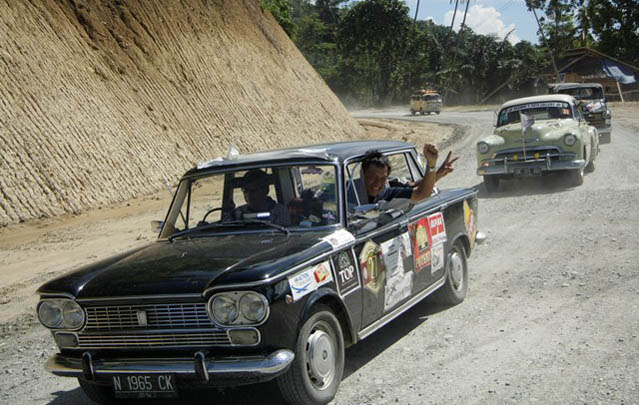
401 176
400 170
364 217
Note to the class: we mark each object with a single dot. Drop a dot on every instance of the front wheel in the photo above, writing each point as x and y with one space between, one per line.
576 177
318 367
454 289
491 183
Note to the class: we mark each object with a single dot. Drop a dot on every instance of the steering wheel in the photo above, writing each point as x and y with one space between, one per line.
208 212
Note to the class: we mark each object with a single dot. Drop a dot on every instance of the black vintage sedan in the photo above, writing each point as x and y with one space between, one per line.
230 295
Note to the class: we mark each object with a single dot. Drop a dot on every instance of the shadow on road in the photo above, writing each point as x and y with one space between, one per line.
359 355
266 394
548 184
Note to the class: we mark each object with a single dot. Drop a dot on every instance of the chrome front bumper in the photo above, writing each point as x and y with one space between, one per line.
254 368
545 164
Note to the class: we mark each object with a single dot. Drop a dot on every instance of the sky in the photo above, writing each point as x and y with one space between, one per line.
484 17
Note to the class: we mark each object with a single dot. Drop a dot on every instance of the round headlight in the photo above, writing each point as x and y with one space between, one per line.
224 309
72 315
482 147
50 313
570 139
252 307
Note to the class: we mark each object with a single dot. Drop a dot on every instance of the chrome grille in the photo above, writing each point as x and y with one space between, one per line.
158 316
121 341
517 155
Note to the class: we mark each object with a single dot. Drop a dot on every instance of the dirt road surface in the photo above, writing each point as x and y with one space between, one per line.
551 315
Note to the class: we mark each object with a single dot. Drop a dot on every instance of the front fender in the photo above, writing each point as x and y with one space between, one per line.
329 297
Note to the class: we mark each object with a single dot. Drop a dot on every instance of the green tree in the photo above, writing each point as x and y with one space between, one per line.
372 37
281 11
315 37
616 25
558 24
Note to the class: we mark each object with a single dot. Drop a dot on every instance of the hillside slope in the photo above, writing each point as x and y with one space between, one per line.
101 101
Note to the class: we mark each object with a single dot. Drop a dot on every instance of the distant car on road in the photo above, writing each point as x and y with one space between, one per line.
229 295
425 102
554 136
593 102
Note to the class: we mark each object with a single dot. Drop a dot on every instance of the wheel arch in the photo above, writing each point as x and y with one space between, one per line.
330 298
465 241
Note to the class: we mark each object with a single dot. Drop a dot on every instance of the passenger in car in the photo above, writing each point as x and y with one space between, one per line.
376 168
255 187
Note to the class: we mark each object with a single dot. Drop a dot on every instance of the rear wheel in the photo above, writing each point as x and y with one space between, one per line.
102 394
412 112
491 183
318 367
454 289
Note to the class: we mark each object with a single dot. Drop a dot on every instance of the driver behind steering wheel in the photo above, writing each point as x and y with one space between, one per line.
255 188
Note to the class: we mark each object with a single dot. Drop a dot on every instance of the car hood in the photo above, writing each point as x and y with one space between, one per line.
189 266
541 131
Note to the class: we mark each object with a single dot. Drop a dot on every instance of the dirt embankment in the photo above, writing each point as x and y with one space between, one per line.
103 101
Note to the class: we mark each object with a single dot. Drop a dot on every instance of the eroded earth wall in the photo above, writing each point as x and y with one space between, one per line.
102 101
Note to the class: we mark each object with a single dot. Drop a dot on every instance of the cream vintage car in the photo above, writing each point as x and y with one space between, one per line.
554 136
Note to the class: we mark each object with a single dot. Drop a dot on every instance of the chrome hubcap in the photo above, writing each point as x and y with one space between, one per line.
457 270
320 352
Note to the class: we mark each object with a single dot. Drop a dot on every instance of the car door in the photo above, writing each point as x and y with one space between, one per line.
383 251
427 233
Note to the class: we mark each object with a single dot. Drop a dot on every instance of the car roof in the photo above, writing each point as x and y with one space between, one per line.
336 152
539 99
559 86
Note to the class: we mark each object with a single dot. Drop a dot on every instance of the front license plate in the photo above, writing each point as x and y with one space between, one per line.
144 386
528 171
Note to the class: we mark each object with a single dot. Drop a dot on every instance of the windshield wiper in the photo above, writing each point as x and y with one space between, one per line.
234 223
257 221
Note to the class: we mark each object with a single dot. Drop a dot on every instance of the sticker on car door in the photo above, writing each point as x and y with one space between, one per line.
399 280
420 238
372 265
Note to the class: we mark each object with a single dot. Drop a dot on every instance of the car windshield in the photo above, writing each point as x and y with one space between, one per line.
271 199
584 93
540 111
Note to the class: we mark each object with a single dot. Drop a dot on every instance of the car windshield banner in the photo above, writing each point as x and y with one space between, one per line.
533 106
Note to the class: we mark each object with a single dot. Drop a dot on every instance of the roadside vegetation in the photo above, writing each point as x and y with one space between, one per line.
372 52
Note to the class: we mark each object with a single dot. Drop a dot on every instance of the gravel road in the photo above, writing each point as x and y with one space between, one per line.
551 315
